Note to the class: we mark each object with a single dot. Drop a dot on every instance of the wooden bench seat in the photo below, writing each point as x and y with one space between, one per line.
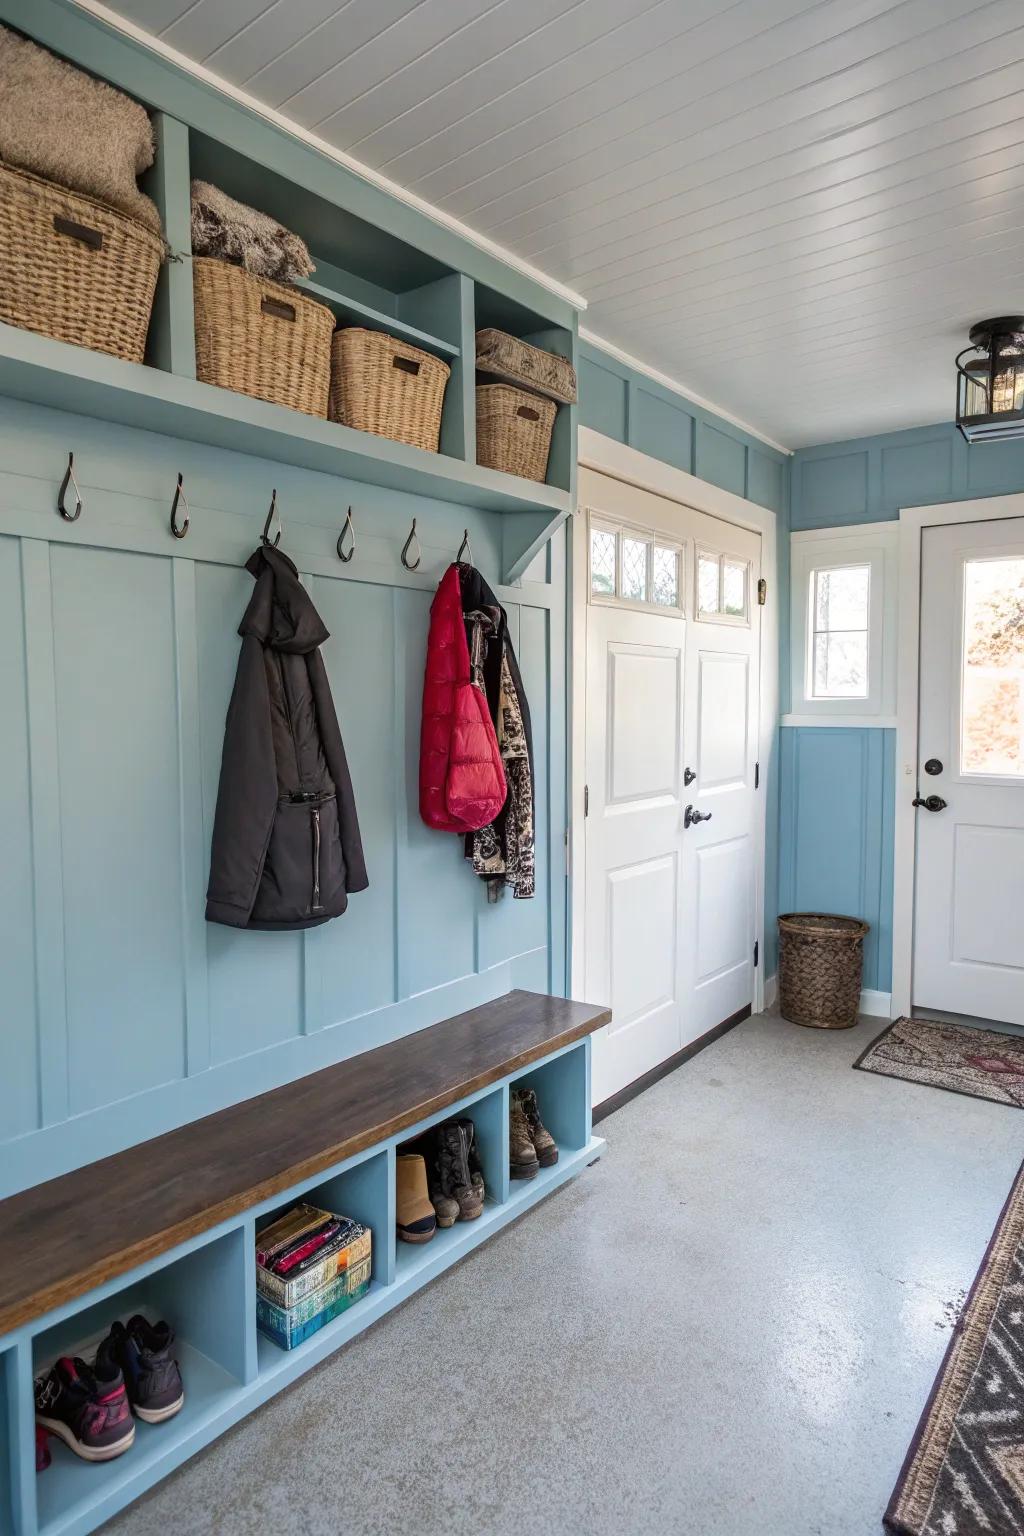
98 1222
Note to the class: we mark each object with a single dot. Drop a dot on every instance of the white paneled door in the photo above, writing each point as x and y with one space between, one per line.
671 731
969 899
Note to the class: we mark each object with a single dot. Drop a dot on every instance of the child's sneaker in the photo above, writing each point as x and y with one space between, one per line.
86 1409
142 1350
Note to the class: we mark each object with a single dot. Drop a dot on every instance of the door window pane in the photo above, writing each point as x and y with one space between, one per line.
666 576
707 583
734 588
840 609
634 568
992 716
602 562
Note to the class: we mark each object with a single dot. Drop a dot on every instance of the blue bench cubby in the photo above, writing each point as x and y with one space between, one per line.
206 1289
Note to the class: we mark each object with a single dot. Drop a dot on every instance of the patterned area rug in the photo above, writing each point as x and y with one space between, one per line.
978 1062
964 1472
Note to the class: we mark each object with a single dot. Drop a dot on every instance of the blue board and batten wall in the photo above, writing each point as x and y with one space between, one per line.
122 1013
838 785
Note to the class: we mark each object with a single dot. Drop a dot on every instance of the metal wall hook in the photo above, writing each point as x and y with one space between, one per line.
69 479
465 548
414 564
347 527
179 495
270 518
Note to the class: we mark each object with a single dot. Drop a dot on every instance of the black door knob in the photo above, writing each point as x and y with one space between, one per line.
690 816
933 766
688 775
930 802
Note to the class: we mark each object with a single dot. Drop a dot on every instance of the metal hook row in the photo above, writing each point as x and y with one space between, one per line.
179 530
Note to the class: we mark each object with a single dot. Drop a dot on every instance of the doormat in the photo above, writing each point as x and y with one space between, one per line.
964 1472
979 1062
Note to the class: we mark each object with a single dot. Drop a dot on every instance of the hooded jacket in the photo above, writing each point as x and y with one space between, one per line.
462 782
286 848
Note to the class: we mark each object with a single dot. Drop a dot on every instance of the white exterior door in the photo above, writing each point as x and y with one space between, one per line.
721 744
672 718
969 896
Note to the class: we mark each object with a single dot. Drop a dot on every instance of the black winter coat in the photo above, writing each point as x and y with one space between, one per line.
286 846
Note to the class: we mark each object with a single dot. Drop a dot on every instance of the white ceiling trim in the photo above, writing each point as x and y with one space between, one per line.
269 114
679 389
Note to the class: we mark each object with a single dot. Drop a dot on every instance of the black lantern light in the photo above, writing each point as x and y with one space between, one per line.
990 385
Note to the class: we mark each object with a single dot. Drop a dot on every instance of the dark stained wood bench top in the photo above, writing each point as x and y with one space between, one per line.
100 1221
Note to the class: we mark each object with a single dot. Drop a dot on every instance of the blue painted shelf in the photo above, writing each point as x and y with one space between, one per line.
353 312
54 373
206 1289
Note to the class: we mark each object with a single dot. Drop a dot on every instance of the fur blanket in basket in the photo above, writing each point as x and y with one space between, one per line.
63 125
234 232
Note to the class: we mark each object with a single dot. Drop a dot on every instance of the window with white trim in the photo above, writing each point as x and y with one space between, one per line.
723 587
843 626
635 567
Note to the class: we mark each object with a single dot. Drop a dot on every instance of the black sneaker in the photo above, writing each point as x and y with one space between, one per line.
142 1350
87 1409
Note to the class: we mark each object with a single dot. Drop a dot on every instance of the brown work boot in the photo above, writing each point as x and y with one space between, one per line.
453 1141
543 1141
522 1154
414 1214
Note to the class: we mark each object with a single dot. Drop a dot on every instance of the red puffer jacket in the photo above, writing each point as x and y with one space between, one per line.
462 781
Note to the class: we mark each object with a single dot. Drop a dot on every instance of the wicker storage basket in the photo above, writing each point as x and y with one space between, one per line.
74 269
261 338
821 958
383 385
513 430
518 362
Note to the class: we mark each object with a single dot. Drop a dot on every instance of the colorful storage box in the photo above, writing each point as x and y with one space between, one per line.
347 1252
289 1326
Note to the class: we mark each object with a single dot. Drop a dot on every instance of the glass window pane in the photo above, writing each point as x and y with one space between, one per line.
602 562
992 729
666 576
734 587
841 665
707 583
634 568
842 597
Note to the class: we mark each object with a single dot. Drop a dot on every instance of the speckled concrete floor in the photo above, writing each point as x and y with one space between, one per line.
728 1327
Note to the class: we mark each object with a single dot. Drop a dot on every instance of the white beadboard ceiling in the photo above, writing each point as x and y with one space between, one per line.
796 208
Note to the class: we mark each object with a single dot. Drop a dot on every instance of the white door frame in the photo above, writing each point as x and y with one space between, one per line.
913 521
608 457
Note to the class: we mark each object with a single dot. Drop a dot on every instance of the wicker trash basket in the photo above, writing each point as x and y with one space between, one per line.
74 269
261 338
821 959
513 430
383 385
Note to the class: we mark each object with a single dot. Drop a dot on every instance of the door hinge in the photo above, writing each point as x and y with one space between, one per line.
762 592
568 855
757 775
757 953
586 799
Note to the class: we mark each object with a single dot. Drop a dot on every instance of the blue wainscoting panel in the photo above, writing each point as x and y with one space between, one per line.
19 1080
661 427
835 831
603 397
121 862
124 1013
721 459
633 408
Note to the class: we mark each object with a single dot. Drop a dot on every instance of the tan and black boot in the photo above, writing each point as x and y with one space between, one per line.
522 1154
544 1143
414 1214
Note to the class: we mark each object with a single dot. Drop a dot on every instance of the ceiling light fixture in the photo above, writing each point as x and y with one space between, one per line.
990 386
